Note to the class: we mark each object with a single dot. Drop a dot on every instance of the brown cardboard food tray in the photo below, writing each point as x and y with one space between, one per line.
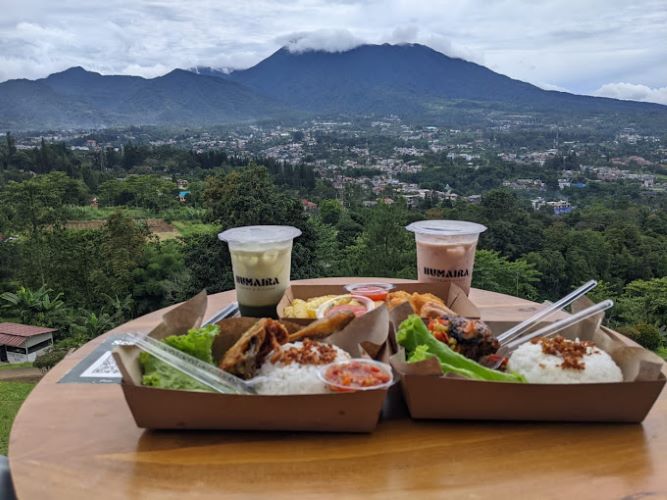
156 408
430 395
454 297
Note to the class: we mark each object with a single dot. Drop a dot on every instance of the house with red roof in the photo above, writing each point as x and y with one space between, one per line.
308 205
20 343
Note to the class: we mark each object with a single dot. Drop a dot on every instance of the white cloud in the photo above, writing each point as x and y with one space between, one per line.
404 34
325 40
633 92
413 34
551 86
571 44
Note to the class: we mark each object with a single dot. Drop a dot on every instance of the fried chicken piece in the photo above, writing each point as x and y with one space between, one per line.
324 327
249 352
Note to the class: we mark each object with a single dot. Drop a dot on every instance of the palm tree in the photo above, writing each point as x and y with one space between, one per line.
92 325
31 306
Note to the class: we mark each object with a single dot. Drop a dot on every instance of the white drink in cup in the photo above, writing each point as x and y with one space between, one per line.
446 250
261 263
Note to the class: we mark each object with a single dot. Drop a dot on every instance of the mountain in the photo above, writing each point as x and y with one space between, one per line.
410 80
77 98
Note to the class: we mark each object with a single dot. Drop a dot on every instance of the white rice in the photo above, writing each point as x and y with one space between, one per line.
540 368
293 378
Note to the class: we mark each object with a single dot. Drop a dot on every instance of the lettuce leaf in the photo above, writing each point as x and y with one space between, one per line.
420 344
198 342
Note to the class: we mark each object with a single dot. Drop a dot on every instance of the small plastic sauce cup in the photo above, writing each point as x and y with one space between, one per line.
359 372
340 301
374 291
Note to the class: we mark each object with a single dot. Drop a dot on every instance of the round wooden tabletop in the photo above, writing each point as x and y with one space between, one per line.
79 441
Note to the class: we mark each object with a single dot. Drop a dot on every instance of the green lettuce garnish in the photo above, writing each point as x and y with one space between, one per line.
421 345
198 342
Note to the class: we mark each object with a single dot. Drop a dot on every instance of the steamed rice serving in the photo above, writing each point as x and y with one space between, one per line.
293 369
561 361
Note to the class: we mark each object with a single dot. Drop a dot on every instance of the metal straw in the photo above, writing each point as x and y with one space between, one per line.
524 326
559 325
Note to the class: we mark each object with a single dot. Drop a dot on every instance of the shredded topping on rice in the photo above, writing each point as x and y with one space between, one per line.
572 351
309 353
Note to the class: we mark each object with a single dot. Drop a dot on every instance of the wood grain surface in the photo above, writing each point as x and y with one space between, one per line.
79 441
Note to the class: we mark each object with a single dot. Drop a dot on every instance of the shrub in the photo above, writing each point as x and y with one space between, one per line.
645 334
649 336
49 359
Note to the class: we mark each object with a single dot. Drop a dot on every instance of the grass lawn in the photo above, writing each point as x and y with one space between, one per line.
12 395
10 366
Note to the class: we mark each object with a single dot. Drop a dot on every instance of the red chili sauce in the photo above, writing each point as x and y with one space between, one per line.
376 293
355 375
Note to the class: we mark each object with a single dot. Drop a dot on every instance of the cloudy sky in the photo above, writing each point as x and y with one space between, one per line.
616 48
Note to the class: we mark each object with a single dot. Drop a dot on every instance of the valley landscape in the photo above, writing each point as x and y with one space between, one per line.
111 208
133 134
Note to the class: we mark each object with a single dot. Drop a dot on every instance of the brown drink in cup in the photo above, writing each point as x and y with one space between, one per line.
446 250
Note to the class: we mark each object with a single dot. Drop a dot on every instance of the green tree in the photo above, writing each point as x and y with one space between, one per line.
644 301
330 211
36 203
328 252
161 278
152 192
208 262
7 151
497 273
121 251
385 248
248 196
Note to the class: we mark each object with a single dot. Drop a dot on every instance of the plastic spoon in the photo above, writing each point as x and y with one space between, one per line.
524 326
204 373
559 325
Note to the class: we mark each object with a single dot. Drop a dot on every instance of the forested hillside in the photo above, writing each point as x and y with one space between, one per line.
84 277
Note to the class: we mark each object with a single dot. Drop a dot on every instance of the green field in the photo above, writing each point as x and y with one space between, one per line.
188 228
12 395
11 366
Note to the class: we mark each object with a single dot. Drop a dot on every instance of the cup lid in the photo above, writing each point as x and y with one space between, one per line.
259 234
445 227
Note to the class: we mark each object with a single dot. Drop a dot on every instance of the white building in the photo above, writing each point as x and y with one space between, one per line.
537 203
20 343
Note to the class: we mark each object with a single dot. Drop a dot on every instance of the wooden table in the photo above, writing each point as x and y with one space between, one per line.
79 441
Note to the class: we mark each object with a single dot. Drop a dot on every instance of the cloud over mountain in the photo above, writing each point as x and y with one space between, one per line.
633 92
572 44
325 40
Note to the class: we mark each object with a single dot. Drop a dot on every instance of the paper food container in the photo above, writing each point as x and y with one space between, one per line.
452 295
156 408
431 395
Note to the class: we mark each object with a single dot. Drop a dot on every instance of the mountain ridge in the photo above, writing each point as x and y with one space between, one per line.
411 80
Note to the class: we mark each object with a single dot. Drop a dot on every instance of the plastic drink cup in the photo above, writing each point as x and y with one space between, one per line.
261 263
446 250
